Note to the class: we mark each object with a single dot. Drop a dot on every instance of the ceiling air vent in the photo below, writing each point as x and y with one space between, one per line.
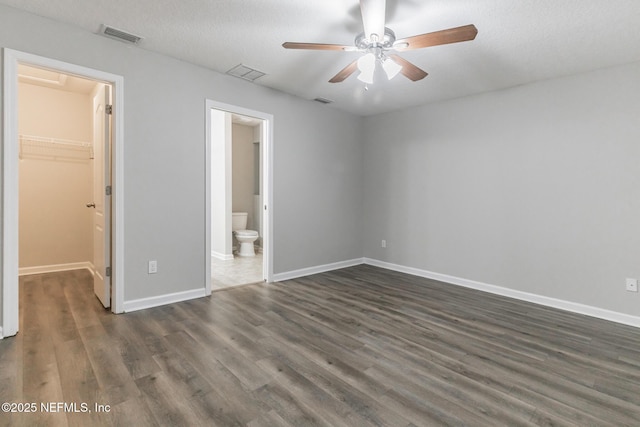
323 100
245 72
123 36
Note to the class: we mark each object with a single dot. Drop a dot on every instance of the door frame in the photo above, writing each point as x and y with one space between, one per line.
267 186
10 178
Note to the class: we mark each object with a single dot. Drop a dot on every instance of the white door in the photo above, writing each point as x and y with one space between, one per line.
101 198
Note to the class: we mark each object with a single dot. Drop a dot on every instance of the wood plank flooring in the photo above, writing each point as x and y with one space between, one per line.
356 347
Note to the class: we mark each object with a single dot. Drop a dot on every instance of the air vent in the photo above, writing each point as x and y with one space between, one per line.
323 100
244 72
123 36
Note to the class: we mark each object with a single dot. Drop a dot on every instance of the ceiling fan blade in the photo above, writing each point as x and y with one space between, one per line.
409 70
316 46
373 17
452 35
345 72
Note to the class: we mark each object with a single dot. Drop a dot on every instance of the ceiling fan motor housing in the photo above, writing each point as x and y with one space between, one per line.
364 43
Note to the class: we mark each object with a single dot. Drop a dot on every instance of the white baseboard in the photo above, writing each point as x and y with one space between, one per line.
143 303
222 257
1 334
24 271
574 307
317 269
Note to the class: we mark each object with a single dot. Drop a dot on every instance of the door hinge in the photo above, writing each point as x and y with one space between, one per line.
108 273
108 190
108 109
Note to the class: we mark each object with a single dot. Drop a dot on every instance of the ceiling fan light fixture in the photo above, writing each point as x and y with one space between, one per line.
367 66
367 63
391 67
366 77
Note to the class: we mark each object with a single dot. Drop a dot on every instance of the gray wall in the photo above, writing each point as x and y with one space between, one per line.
533 188
164 169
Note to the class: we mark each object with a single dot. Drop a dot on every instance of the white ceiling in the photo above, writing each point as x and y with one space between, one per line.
518 41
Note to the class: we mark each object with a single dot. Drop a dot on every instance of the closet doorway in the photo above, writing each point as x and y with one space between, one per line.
58 188
64 125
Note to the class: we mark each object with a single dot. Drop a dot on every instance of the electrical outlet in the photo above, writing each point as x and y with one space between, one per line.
632 285
153 267
383 244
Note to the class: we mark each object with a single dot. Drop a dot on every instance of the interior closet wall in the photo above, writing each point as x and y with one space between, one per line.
55 226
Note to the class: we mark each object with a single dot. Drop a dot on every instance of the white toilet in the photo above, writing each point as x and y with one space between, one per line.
245 237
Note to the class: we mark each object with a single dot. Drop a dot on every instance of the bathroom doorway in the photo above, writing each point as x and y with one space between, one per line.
239 249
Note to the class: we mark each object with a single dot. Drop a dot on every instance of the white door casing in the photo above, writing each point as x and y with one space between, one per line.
102 199
9 206
267 134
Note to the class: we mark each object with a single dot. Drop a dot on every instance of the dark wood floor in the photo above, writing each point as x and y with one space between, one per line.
356 347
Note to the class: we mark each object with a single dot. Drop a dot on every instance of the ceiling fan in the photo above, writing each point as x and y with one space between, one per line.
377 40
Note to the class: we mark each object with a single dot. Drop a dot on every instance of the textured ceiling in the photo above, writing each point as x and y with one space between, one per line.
518 41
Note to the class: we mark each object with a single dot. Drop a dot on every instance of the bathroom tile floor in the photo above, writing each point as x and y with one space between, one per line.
236 272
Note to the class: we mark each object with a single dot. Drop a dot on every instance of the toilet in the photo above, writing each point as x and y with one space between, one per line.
245 237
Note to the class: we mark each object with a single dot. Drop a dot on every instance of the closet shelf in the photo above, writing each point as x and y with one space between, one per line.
54 148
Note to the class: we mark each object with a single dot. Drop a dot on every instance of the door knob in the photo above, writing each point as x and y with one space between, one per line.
91 205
